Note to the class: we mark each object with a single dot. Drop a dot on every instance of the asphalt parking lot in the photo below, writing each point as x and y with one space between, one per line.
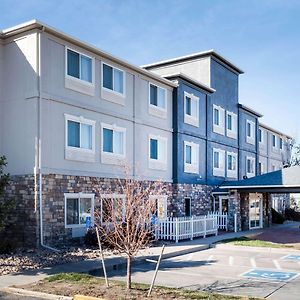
266 273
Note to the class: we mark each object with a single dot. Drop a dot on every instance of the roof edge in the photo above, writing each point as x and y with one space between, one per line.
36 24
250 110
274 130
191 80
192 56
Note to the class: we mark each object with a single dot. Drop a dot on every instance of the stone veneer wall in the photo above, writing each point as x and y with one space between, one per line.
22 229
234 207
200 199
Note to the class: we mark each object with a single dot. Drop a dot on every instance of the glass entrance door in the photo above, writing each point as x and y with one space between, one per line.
255 211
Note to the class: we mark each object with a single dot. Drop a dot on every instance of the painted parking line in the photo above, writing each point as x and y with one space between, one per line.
291 257
270 275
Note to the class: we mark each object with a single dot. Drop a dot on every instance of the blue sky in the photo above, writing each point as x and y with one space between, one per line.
261 37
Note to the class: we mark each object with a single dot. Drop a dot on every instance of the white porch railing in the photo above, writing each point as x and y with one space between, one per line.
222 219
176 229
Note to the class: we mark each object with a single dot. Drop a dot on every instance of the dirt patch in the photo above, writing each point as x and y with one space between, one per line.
95 287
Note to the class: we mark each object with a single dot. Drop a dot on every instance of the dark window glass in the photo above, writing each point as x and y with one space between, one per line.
229 122
153 149
73 134
73 64
188 154
72 212
187 207
107 140
153 94
107 77
188 106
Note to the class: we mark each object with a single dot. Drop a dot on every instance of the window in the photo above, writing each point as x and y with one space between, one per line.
231 125
157 101
79 66
261 136
191 157
113 143
80 134
218 119
274 141
77 208
261 168
113 79
250 132
218 162
191 109
280 144
113 207
231 164
161 203
250 166
188 207
157 152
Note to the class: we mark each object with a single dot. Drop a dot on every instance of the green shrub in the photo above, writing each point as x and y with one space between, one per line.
291 214
277 218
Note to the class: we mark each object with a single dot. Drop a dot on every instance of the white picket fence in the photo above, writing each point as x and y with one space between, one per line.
176 229
222 219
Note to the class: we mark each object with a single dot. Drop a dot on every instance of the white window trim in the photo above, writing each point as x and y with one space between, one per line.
194 166
249 175
80 154
79 196
194 121
111 197
123 95
220 172
158 164
110 157
220 129
154 110
77 84
250 139
232 133
232 173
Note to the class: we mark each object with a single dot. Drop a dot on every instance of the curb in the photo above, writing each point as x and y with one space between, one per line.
81 297
22 292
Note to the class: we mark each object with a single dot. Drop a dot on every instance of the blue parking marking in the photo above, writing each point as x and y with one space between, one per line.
270 275
292 257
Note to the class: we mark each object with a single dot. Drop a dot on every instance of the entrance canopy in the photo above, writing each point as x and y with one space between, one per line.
286 180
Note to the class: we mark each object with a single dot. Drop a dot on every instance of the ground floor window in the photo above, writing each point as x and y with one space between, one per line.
161 206
78 207
188 207
113 208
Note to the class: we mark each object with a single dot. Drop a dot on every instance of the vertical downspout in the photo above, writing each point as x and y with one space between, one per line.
134 129
39 138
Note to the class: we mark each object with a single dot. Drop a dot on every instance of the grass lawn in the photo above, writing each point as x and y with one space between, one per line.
69 284
246 241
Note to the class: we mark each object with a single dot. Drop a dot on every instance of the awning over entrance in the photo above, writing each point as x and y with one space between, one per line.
286 180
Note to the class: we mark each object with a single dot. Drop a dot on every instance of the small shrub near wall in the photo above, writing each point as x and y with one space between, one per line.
292 214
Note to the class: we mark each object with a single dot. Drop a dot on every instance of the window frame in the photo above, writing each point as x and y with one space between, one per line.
82 81
232 133
189 119
112 197
232 173
262 141
193 167
155 110
261 168
123 95
220 129
111 157
79 196
220 171
159 163
250 139
250 174
78 153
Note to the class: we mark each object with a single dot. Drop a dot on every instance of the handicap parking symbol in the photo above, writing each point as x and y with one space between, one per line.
270 275
291 257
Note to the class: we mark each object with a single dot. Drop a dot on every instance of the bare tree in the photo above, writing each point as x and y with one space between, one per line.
126 219
295 154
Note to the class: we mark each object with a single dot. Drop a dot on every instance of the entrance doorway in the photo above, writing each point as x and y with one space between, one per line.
187 207
255 211
221 204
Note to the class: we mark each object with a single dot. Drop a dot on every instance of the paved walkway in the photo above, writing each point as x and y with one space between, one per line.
171 250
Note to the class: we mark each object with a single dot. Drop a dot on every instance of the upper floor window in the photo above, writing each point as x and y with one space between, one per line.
280 144
218 119
250 166
218 162
261 168
79 138
79 66
157 101
250 132
191 157
113 79
157 152
231 164
191 109
231 125
261 135
113 143
77 208
274 141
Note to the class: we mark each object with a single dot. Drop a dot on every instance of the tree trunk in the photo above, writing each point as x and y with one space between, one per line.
129 272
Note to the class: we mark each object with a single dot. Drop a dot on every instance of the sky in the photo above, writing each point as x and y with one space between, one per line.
262 37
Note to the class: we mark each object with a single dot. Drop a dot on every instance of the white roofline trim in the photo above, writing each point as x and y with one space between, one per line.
274 130
258 186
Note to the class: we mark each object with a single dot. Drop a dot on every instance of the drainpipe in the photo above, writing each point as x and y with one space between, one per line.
39 137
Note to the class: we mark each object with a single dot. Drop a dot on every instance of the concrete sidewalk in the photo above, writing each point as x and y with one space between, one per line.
171 250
